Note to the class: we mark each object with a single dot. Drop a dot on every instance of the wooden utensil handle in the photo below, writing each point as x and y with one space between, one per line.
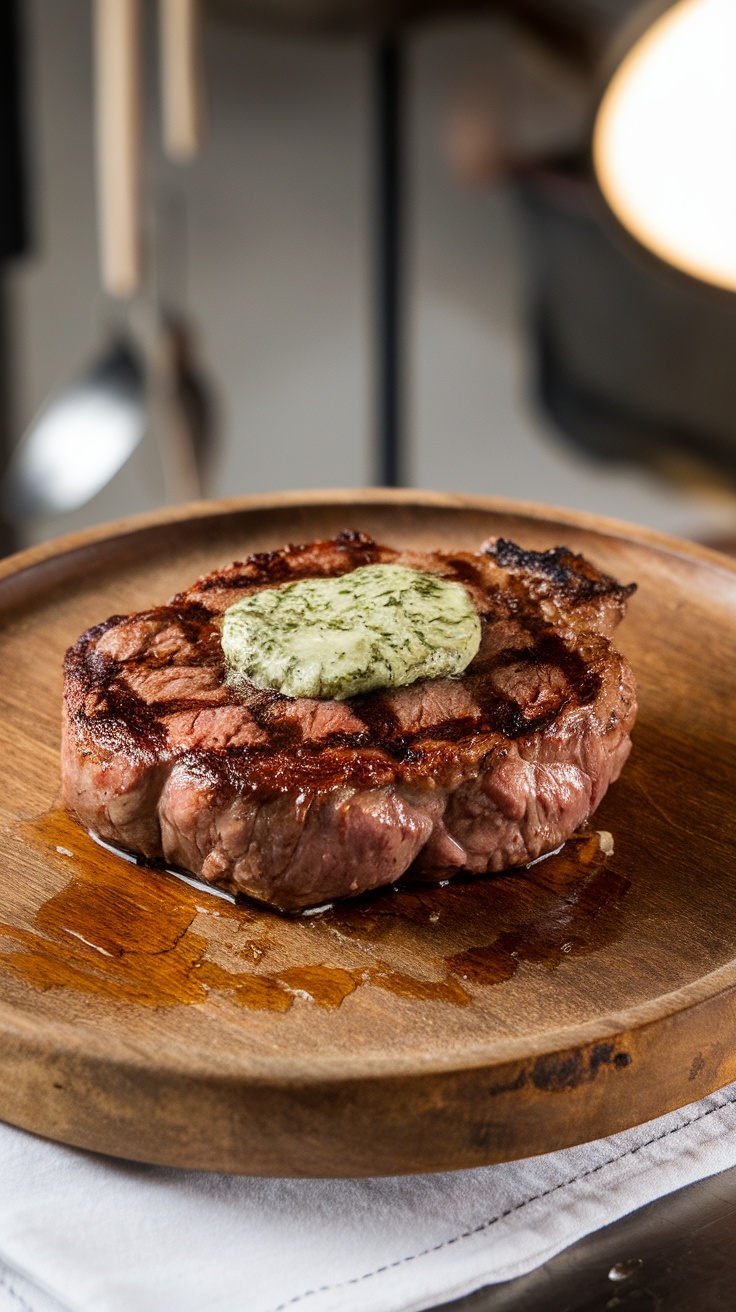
117 87
181 98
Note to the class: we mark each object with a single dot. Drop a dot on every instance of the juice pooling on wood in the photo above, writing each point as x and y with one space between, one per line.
130 934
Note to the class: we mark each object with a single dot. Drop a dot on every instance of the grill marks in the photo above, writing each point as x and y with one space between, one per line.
114 696
125 677
561 678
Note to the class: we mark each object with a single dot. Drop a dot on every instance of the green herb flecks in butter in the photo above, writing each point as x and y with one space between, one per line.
381 626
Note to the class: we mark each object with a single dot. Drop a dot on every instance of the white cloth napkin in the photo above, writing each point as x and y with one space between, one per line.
86 1233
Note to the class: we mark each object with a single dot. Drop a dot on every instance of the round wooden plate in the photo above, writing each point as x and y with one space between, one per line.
417 1030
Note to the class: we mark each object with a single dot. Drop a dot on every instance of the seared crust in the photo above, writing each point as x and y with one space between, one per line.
295 800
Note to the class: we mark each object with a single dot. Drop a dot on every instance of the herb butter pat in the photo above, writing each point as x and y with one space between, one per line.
380 626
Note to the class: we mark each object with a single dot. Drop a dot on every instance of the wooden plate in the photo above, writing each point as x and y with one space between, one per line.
416 1031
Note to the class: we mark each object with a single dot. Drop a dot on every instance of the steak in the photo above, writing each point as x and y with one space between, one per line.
296 802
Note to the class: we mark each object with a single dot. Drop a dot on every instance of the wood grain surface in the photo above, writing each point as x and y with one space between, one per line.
418 1030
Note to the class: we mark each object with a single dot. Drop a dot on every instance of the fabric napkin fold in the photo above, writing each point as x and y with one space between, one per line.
86 1233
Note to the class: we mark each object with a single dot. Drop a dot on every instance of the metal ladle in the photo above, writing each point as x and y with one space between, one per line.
81 440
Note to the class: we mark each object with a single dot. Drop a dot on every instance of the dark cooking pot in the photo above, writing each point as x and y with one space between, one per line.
631 364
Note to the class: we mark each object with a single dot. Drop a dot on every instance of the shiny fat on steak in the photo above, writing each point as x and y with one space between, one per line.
297 802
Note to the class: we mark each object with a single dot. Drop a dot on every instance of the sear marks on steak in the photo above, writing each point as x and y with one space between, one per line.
297 802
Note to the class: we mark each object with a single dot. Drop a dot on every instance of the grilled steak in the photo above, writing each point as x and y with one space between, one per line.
297 801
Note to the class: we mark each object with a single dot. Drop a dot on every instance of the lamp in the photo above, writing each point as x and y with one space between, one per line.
664 140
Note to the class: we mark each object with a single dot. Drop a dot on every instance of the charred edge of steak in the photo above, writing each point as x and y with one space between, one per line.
101 702
572 573
102 707
295 560
576 581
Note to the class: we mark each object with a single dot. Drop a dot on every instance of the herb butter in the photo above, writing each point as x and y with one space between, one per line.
380 626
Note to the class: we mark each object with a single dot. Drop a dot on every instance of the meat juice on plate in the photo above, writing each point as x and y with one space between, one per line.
134 934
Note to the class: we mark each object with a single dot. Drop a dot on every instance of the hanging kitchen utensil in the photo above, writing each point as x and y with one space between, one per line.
185 402
117 108
181 82
81 439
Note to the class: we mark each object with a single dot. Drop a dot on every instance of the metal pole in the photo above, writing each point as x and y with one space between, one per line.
390 466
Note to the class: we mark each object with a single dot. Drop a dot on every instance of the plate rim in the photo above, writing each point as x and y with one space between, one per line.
66 544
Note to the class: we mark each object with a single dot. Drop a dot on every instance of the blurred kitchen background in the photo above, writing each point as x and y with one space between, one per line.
543 357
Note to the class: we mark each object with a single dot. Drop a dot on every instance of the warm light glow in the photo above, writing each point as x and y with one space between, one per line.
664 145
